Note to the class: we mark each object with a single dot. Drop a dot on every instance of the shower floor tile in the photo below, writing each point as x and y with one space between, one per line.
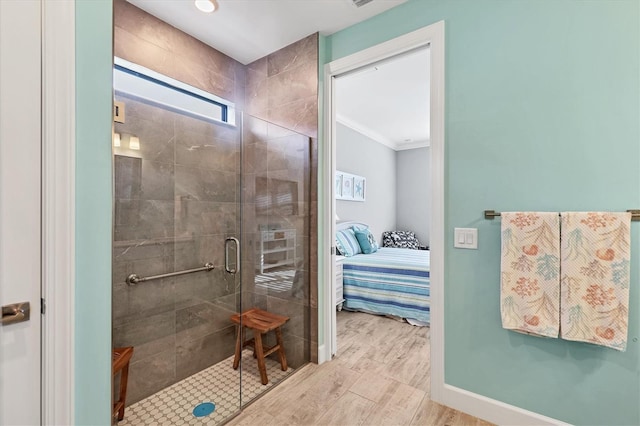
218 384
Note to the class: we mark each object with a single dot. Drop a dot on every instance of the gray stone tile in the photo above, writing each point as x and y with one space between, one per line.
137 110
229 302
254 129
194 74
200 250
143 219
137 50
157 181
198 321
196 51
142 24
300 115
256 93
297 350
259 65
127 177
195 149
151 374
199 354
253 300
206 218
298 324
153 347
201 287
119 303
301 52
208 130
205 184
144 330
140 250
296 83
151 297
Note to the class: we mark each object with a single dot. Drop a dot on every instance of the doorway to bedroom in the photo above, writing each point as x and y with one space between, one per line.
386 219
382 196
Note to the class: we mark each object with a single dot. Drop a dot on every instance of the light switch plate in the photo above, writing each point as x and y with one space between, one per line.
466 238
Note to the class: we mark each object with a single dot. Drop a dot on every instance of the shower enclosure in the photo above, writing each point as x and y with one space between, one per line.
187 184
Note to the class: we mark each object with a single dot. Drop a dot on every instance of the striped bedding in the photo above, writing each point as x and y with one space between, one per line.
391 281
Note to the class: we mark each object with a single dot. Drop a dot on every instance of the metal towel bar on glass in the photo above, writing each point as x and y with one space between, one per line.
490 214
134 279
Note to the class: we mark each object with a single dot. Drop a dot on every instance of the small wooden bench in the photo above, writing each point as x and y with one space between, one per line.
260 322
120 363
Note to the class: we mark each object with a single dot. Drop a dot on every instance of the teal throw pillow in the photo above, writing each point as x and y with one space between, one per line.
366 240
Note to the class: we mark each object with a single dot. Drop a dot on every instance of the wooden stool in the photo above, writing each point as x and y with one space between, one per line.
120 363
260 322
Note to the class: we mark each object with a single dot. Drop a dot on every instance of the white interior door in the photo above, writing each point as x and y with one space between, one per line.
20 209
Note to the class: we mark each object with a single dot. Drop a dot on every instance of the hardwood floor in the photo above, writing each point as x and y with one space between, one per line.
379 377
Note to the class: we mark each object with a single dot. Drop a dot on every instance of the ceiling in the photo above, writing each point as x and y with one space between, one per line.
388 102
247 30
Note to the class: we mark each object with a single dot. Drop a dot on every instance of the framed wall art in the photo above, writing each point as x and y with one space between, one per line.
350 187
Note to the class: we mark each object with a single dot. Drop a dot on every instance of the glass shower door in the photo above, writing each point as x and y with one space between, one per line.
275 205
176 202
191 191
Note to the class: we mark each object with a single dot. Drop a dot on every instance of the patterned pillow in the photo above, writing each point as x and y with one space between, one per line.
400 239
347 243
366 240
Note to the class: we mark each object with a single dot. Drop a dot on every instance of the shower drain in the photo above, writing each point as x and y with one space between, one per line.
204 409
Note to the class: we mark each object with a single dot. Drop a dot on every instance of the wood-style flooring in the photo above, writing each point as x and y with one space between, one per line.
380 376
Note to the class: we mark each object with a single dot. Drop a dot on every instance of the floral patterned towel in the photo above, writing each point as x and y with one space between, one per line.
595 278
530 276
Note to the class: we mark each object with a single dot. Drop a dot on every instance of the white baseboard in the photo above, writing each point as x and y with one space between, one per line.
322 355
492 410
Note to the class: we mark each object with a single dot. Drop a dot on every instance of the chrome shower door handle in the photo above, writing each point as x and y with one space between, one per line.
226 255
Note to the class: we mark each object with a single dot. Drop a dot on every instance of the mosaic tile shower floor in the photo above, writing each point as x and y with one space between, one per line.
218 384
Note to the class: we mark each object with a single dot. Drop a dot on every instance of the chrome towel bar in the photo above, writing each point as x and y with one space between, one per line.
134 279
490 214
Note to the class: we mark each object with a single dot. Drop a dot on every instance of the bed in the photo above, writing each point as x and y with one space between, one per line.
390 281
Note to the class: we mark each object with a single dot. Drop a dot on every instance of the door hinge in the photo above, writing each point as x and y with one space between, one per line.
333 250
43 306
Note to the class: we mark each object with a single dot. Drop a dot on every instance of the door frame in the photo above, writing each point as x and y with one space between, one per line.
432 36
58 210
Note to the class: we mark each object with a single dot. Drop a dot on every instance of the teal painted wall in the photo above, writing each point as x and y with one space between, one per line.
93 212
542 113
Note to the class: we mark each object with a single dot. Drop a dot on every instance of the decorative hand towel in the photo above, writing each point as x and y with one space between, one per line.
595 278
529 273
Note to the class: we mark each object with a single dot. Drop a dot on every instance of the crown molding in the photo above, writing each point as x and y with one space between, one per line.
364 130
413 145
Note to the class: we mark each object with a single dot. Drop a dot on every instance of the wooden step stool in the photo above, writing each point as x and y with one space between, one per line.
260 322
120 363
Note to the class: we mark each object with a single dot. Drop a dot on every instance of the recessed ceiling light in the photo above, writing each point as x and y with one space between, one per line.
206 6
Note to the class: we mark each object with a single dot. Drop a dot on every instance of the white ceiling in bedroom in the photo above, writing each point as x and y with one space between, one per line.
248 30
388 102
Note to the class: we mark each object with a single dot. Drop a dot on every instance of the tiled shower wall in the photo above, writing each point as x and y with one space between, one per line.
281 159
176 201
282 88
174 207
